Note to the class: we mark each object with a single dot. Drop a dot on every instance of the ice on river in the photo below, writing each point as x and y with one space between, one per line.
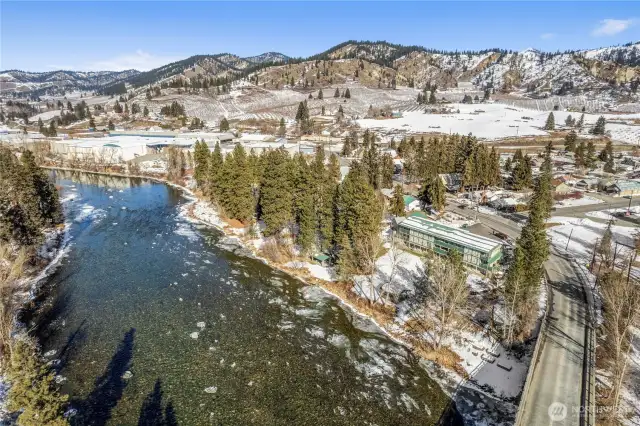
89 213
186 230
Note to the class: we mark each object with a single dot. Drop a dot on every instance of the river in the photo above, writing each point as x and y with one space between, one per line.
149 320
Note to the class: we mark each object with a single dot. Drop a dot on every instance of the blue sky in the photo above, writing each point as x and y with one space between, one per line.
88 35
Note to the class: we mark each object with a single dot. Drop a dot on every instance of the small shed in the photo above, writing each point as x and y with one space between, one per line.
321 258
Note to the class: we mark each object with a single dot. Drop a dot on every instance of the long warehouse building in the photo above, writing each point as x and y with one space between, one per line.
479 253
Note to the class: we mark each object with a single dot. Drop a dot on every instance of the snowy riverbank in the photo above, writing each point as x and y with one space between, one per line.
486 378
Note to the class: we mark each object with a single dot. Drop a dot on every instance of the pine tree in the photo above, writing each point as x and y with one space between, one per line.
371 163
336 94
110 125
282 128
607 157
320 95
216 162
52 132
434 193
234 182
324 192
609 166
507 164
550 124
347 94
117 108
201 157
92 123
224 125
386 171
276 192
432 98
145 111
570 141
40 124
359 214
397 202
569 121
580 155
469 175
580 123
590 155
495 177
303 203
525 273
521 174
33 390
599 128
334 168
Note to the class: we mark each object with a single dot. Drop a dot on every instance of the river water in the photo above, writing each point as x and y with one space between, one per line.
148 320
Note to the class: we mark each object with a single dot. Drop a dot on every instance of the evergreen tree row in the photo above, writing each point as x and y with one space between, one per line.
424 159
294 196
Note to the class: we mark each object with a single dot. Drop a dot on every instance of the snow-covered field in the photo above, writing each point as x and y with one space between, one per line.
498 121
585 234
246 101
586 200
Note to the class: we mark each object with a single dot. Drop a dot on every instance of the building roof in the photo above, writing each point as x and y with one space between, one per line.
321 257
452 181
447 233
627 185
408 199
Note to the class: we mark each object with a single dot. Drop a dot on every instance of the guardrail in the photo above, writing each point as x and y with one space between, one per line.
536 353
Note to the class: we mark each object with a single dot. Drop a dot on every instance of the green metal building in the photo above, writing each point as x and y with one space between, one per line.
479 253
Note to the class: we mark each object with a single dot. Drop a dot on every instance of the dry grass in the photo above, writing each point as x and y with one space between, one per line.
13 265
276 250
442 356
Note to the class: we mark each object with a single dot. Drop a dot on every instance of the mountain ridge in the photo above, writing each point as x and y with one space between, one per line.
532 71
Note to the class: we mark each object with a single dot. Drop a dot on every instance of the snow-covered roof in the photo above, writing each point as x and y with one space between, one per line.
627 185
453 235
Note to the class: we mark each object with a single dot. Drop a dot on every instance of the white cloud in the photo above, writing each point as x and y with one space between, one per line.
547 36
609 27
140 60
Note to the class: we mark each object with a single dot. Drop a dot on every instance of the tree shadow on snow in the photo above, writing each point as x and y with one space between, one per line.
108 388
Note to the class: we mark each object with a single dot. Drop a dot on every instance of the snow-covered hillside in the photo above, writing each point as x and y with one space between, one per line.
613 72
26 81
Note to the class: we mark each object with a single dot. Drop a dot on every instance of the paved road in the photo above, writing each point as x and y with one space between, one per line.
559 370
558 374
609 203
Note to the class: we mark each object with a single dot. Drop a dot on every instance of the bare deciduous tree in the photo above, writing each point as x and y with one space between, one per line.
621 297
444 281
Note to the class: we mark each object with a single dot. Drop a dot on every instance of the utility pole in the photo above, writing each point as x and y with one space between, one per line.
593 257
569 239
